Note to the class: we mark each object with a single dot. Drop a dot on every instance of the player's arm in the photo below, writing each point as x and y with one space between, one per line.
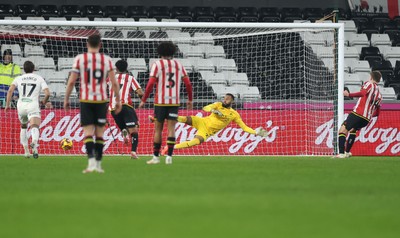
260 131
46 96
139 92
364 90
9 95
115 88
213 108
73 76
189 91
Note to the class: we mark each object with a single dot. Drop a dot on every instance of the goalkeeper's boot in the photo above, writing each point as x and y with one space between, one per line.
154 160
348 154
35 150
168 160
164 150
134 155
125 135
151 119
339 156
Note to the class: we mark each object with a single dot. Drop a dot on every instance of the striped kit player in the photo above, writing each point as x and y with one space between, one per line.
93 68
368 106
126 120
166 75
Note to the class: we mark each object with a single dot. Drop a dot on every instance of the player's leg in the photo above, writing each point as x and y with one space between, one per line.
134 132
35 123
350 141
197 140
160 116
119 120
201 135
88 125
131 123
23 118
100 123
342 140
170 140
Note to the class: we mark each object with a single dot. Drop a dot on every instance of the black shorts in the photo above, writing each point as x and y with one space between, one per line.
354 121
127 118
166 112
93 113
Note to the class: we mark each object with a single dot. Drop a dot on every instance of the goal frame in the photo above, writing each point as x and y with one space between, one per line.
339 28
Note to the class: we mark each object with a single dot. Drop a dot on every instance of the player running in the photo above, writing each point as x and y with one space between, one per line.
167 74
221 115
29 87
126 120
92 68
368 106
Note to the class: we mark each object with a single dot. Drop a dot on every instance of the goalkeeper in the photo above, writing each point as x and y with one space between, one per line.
221 115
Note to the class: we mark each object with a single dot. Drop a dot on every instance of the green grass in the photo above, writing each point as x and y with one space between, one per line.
201 197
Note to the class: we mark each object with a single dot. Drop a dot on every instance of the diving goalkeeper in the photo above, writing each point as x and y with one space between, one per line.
221 115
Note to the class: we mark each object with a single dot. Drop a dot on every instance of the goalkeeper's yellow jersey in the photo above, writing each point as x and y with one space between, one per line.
216 122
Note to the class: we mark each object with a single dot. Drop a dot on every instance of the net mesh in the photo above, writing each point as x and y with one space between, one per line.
283 78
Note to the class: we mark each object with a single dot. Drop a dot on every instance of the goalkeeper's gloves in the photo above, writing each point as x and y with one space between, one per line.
217 112
262 132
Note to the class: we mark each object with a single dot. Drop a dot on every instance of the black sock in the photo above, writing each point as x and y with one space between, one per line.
98 147
156 147
135 141
171 144
342 141
89 144
350 141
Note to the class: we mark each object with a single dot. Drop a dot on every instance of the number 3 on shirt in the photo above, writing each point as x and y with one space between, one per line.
170 80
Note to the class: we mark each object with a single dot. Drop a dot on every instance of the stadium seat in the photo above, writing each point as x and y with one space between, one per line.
47 11
179 37
314 38
15 48
6 11
69 11
92 11
349 25
234 78
389 79
57 19
187 64
356 65
342 14
352 79
312 14
45 63
220 91
204 14
64 63
247 93
176 29
202 64
203 38
224 64
13 18
102 19
212 78
136 12
289 14
329 63
351 52
390 52
225 14
247 14
115 12
388 93
216 51
159 12
124 19
20 61
183 14
32 18
269 14
381 65
191 50
371 52
390 27
136 34
112 34
322 51
356 39
369 29
57 77
136 64
33 50
147 30
25 10
380 39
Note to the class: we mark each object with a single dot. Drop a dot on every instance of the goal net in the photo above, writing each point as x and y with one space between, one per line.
285 78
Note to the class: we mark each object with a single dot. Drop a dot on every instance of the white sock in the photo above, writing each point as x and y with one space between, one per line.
92 163
24 140
98 164
35 135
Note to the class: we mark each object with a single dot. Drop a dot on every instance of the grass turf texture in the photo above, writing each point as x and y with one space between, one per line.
201 197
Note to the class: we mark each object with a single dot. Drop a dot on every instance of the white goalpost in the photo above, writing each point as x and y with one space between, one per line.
287 78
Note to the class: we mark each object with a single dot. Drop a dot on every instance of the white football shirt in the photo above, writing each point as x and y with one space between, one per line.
29 87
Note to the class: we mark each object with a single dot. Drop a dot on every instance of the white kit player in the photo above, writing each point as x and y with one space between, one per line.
29 87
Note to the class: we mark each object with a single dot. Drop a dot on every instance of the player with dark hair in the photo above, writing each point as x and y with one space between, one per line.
368 106
221 115
166 74
92 68
29 87
126 120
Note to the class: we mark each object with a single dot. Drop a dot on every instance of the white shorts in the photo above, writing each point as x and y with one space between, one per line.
27 110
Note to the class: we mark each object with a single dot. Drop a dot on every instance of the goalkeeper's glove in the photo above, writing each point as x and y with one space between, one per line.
262 132
217 112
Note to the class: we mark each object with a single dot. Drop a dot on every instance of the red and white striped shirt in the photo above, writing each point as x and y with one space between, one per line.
93 69
369 101
127 84
169 74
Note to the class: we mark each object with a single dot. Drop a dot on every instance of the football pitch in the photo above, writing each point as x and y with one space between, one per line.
201 197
